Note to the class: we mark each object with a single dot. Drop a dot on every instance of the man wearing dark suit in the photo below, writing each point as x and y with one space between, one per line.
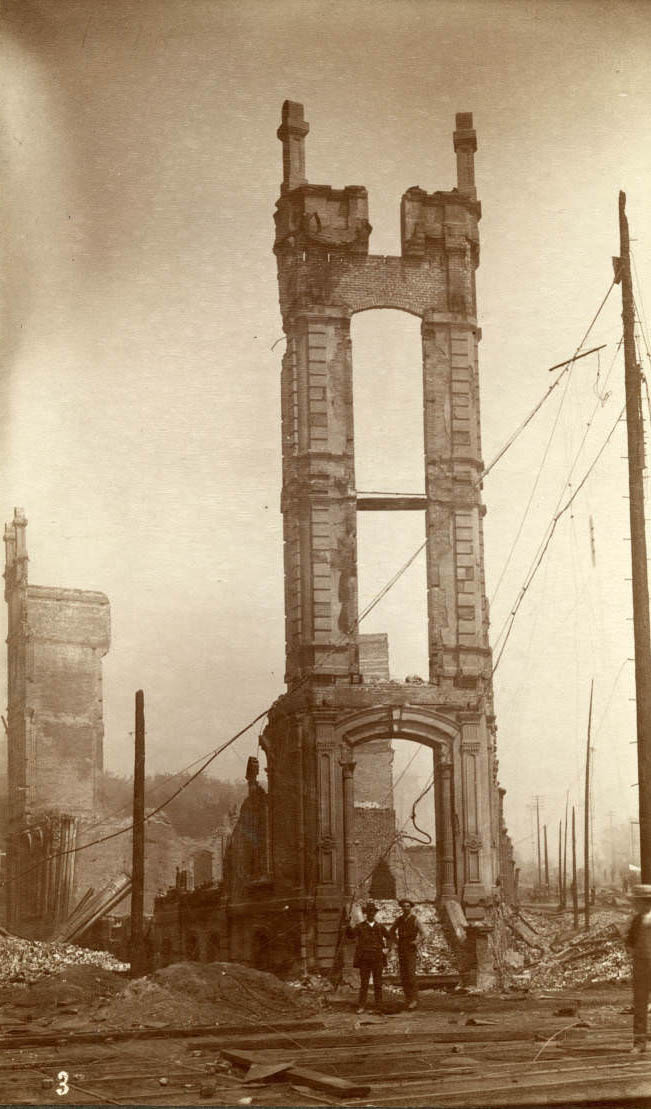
370 953
408 932
638 942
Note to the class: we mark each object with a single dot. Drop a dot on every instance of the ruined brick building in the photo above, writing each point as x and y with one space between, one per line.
322 732
55 645
56 641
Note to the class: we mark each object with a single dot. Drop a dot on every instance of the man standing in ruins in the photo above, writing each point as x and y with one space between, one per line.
638 942
370 954
408 932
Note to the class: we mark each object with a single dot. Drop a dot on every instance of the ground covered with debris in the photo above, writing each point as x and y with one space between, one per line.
435 956
550 954
30 960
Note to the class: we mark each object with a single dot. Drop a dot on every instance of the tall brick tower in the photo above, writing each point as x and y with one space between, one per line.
55 645
325 275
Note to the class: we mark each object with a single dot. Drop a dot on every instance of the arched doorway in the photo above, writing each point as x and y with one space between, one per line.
430 730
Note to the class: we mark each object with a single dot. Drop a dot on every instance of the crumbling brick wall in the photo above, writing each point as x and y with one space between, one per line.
55 645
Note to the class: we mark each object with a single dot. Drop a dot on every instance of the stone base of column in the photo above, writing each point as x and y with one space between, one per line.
484 965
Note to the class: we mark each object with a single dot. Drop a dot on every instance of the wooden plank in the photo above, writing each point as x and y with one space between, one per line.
326 1083
302 1076
97 1036
258 1072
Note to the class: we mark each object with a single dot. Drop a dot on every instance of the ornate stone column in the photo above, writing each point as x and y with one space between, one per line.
447 829
348 767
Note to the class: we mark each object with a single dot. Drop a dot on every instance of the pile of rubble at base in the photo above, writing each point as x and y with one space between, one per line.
546 954
30 960
593 957
435 956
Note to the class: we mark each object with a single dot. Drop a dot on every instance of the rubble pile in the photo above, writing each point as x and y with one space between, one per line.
593 957
206 993
544 951
30 960
435 956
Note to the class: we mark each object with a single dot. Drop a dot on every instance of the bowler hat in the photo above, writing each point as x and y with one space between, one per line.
406 901
370 907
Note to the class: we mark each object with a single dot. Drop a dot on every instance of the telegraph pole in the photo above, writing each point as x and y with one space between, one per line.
538 834
137 952
565 859
586 826
641 627
560 872
546 861
575 892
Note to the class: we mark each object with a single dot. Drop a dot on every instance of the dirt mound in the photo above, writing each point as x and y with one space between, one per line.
205 993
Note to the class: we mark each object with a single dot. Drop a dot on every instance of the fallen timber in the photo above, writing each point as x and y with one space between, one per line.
419 1070
21 1038
303 1076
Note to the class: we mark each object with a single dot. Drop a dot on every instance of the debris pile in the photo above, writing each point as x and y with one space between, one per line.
435 956
546 953
30 960
593 957
205 993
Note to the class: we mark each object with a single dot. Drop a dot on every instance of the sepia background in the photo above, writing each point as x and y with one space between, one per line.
140 391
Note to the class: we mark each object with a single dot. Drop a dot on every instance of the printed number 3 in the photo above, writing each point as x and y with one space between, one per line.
63 1088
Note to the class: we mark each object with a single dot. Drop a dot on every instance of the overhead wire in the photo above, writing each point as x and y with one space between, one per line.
554 384
568 370
542 550
507 624
228 743
532 493
344 639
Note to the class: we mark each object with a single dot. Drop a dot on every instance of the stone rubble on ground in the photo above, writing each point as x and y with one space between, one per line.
558 958
28 961
435 956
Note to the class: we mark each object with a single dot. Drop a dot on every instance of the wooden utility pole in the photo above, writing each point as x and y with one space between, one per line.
538 835
575 891
546 861
560 872
137 951
586 825
641 626
565 859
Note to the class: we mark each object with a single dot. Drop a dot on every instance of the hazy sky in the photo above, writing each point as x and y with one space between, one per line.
140 168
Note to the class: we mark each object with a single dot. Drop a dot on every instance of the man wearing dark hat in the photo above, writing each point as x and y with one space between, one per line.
638 942
407 930
370 953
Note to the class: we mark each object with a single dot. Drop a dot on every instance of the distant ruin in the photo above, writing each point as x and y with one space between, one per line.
55 645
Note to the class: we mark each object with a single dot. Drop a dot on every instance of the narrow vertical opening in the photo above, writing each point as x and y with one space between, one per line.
389 458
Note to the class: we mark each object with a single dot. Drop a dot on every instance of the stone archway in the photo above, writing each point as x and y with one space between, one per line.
421 725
